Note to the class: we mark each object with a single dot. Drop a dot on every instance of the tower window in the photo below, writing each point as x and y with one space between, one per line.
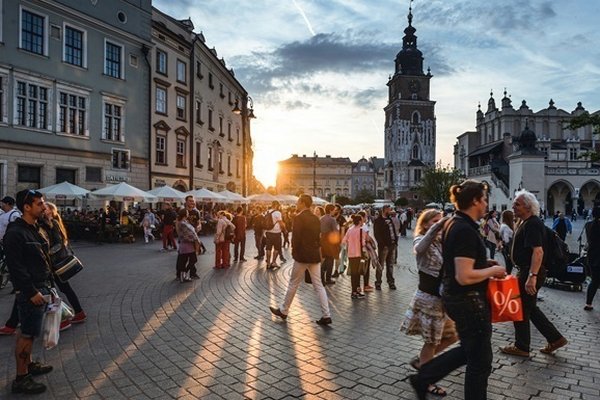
415 152
416 118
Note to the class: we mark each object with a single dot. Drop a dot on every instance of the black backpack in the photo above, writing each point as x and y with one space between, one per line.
267 222
556 251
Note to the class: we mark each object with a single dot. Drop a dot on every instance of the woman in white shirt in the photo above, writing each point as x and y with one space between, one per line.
506 234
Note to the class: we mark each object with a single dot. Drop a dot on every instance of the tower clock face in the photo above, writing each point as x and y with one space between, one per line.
414 86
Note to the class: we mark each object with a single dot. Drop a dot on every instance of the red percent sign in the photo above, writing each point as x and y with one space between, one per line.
506 302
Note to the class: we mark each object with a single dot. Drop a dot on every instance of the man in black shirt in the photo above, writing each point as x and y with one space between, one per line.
528 255
387 239
466 273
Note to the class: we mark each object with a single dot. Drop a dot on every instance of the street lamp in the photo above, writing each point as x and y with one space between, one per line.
237 110
315 174
247 114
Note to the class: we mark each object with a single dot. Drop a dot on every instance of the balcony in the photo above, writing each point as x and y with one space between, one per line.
479 171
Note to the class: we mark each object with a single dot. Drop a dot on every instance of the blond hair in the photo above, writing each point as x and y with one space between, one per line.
424 219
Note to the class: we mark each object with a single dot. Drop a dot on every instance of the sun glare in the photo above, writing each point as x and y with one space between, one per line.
265 169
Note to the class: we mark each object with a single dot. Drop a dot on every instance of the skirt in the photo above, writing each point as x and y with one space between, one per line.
426 317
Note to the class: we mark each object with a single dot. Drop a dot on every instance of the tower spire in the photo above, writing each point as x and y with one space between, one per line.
410 13
409 61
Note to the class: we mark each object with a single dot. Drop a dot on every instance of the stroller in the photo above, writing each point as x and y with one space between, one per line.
569 277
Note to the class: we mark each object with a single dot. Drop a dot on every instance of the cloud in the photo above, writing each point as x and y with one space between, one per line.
293 105
289 66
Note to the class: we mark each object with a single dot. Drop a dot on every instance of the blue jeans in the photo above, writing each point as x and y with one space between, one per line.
471 313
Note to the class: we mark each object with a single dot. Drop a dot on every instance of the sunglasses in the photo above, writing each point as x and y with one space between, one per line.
31 194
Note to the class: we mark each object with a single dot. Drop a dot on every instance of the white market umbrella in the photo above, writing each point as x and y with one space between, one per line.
262 198
319 201
287 198
64 191
233 197
167 194
124 192
432 205
204 194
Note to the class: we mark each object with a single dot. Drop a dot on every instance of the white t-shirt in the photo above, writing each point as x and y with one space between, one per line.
276 215
7 218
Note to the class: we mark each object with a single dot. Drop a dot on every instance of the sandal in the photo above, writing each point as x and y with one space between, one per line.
436 390
588 308
415 363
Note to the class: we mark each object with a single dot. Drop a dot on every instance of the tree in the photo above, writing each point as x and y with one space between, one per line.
436 182
343 200
364 196
401 202
582 120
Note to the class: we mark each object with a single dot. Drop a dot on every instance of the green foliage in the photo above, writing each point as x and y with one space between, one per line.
401 202
436 182
582 120
343 200
364 196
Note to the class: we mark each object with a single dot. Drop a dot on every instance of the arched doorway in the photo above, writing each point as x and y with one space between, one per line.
180 185
589 194
559 198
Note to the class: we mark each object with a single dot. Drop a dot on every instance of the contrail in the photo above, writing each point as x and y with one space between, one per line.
310 28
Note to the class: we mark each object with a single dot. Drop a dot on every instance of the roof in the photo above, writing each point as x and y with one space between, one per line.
486 148
416 163
295 159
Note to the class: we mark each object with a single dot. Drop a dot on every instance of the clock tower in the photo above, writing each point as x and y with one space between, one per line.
409 121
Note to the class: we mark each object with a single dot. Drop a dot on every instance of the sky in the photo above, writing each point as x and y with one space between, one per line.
317 69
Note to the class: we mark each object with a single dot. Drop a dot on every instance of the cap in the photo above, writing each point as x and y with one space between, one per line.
8 200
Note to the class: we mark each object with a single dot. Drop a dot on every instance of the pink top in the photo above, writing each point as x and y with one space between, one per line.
352 239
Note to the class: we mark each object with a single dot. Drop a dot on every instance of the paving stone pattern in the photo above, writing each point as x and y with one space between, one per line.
150 337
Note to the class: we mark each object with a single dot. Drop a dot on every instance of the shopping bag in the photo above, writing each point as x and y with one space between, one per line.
67 311
505 299
51 324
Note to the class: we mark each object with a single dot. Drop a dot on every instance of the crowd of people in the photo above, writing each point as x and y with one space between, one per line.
455 256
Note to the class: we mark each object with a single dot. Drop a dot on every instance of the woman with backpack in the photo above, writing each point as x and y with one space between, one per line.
592 235
225 232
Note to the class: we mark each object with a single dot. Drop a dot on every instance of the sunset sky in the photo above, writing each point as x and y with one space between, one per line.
317 69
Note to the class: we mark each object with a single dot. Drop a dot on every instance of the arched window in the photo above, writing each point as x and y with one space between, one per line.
416 118
415 152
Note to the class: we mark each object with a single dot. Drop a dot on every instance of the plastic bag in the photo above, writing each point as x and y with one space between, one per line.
51 324
505 299
66 311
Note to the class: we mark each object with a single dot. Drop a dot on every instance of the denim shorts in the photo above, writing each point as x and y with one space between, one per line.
30 315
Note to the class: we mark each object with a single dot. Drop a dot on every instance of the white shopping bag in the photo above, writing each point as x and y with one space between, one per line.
51 324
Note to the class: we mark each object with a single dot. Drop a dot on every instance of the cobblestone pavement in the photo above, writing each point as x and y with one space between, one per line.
148 336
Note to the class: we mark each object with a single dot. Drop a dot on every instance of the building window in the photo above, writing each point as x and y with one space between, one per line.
221 163
199 154
229 132
199 70
120 159
199 113
210 81
572 153
33 35
210 120
161 62
113 122
237 132
415 152
74 40
221 92
237 168
229 165
181 71
32 105
72 112
161 100
210 159
417 175
181 100
2 99
180 161
221 133
28 177
113 60
161 150
66 175
93 174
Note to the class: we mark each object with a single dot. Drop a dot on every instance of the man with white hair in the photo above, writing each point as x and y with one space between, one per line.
528 255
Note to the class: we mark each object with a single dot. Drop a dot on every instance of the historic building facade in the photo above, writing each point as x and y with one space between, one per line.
410 127
368 176
74 93
521 148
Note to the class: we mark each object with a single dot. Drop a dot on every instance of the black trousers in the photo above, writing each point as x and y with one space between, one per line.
239 248
386 259
259 242
531 312
354 265
593 286
471 313
326 269
186 262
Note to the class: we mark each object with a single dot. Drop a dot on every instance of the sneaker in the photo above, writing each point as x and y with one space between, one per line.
368 288
78 318
28 386
324 321
357 295
243 259
283 259
37 368
552 347
195 276
163 250
274 265
277 311
66 324
514 351
377 287
7 330
392 287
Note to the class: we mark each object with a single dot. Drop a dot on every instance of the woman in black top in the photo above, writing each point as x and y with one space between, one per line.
592 234
466 273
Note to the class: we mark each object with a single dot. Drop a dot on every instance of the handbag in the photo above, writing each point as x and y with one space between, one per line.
505 299
68 267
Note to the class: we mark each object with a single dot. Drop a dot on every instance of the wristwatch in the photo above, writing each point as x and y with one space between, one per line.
533 274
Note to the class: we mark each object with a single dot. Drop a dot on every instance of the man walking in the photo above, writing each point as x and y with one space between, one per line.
27 258
330 243
305 251
274 225
387 238
528 255
259 233
239 246
10 214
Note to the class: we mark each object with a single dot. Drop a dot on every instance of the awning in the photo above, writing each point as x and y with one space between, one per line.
487 148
